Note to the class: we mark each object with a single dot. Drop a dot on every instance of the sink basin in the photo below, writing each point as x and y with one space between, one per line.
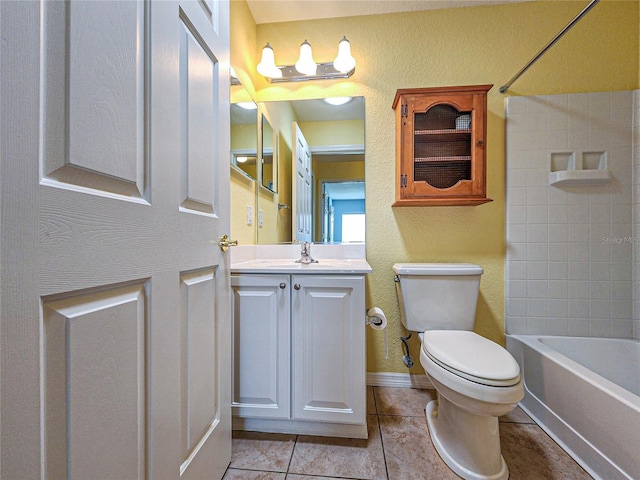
294 263
277 263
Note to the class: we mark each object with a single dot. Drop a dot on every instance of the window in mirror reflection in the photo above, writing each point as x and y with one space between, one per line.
353 229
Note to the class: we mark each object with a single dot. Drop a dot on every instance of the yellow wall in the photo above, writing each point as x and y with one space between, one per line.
335 132
243 190
463 46
243 194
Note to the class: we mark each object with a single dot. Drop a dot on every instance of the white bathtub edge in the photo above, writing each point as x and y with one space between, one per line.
598 465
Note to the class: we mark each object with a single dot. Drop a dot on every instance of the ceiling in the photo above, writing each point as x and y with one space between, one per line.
320 111
344 190
274 11
314 110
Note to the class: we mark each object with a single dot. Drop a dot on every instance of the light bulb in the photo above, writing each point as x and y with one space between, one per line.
306 64
344 62
267 66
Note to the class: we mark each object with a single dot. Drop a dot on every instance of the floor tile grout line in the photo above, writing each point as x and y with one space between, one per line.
384 456
286 474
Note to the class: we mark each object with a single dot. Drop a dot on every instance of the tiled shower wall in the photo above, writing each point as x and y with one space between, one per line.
570 249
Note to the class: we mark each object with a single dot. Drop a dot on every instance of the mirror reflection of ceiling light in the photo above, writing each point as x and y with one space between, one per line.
306 67
247 105
242 159
337 101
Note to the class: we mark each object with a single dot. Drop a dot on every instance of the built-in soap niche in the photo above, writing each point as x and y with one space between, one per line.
579 167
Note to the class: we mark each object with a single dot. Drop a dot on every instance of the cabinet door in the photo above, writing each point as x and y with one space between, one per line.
440 155
440 146
261 351
328 355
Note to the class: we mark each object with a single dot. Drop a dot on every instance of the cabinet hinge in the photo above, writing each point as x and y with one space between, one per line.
403 181
404 111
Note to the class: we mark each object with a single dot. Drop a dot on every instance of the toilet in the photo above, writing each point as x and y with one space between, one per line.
476 380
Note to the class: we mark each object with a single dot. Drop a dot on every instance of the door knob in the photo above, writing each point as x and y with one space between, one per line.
224 243
297 286
283 285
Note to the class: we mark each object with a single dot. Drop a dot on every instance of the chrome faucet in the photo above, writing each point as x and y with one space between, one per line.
305 254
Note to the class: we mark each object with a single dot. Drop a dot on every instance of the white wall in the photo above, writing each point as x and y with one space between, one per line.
570 249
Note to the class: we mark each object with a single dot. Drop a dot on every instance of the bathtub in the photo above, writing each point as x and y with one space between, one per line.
585 393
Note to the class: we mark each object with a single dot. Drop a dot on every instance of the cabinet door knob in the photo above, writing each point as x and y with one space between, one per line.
283 285
297 286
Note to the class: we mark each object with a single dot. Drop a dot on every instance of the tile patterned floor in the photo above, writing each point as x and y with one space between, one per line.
398 448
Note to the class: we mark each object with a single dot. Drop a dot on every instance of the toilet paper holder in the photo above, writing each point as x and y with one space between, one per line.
377 320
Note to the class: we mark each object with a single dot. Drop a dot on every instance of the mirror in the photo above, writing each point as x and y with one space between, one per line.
244 136
269 175
334 199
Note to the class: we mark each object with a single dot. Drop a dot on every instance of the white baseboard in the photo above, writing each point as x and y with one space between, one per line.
404 380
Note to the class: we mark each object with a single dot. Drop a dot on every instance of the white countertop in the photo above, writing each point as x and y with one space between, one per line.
334 259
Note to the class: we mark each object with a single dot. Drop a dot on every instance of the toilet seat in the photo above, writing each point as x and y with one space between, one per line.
472 357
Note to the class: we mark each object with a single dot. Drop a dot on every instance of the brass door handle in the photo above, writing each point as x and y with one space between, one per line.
224 243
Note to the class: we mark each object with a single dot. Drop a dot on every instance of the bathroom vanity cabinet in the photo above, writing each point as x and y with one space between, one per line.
441 146
299 353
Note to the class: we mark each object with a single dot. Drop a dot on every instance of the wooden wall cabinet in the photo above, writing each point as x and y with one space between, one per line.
441 146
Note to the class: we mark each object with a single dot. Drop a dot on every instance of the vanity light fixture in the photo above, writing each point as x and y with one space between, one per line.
306 67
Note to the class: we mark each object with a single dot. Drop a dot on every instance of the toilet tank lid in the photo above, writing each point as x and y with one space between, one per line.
437 269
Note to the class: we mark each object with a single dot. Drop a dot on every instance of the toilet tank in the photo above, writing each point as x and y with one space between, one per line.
437 296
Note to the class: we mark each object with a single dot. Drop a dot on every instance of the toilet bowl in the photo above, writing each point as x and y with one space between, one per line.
463 421
476 380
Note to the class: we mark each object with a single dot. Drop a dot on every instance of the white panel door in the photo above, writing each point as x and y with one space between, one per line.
115 303
303 191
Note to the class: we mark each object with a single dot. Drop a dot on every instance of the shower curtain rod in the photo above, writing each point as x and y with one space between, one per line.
584 11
